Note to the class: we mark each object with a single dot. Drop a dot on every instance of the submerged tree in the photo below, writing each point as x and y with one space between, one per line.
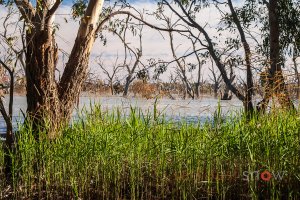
216 79
111 74
277 31
187 14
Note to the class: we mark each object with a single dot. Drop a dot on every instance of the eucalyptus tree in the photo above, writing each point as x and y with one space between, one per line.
225 94
279 27
280 30
110 71
187 13
48 100
201 60
185 69
216 79
51 102
132 55
181 69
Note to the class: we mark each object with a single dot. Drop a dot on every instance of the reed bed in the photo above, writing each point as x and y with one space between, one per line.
107 155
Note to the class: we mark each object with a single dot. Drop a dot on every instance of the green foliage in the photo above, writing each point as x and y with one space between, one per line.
142 156
254 14
78 8
289 25
143 75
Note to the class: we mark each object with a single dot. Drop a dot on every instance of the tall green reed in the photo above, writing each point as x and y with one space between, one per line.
111 155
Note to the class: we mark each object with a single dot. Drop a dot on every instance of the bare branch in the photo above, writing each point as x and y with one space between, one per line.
26 9
54 8
137 18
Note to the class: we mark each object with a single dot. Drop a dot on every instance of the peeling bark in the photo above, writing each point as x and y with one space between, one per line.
50 104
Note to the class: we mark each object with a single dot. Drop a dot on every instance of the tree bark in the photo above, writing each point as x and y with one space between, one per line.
297 75
76 68
127 84
43 105
9 140
181 69
248 105
50 104
275 83
111 87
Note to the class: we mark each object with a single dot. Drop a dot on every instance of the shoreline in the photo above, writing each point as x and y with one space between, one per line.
131 95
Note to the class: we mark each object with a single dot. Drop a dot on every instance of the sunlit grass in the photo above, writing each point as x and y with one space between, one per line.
142 156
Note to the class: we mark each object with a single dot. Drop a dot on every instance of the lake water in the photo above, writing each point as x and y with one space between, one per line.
191 110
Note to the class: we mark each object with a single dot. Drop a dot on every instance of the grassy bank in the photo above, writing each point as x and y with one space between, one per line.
108 156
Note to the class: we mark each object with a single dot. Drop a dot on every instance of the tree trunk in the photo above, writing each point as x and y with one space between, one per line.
50 105
276 83
226 95
9 143
216 89
181 68
8 150
248 105
127 84
297 78
197 89
111 87
188 89
9 140
76 68
43 105
197 85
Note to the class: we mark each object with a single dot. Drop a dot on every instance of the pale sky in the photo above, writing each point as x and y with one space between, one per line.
155 44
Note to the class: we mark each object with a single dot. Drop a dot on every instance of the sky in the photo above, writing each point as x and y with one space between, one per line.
155 44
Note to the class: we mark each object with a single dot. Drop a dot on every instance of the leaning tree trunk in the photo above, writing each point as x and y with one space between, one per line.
50 104
248 105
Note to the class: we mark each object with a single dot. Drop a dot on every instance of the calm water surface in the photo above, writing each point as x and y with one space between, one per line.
190 110
199 110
